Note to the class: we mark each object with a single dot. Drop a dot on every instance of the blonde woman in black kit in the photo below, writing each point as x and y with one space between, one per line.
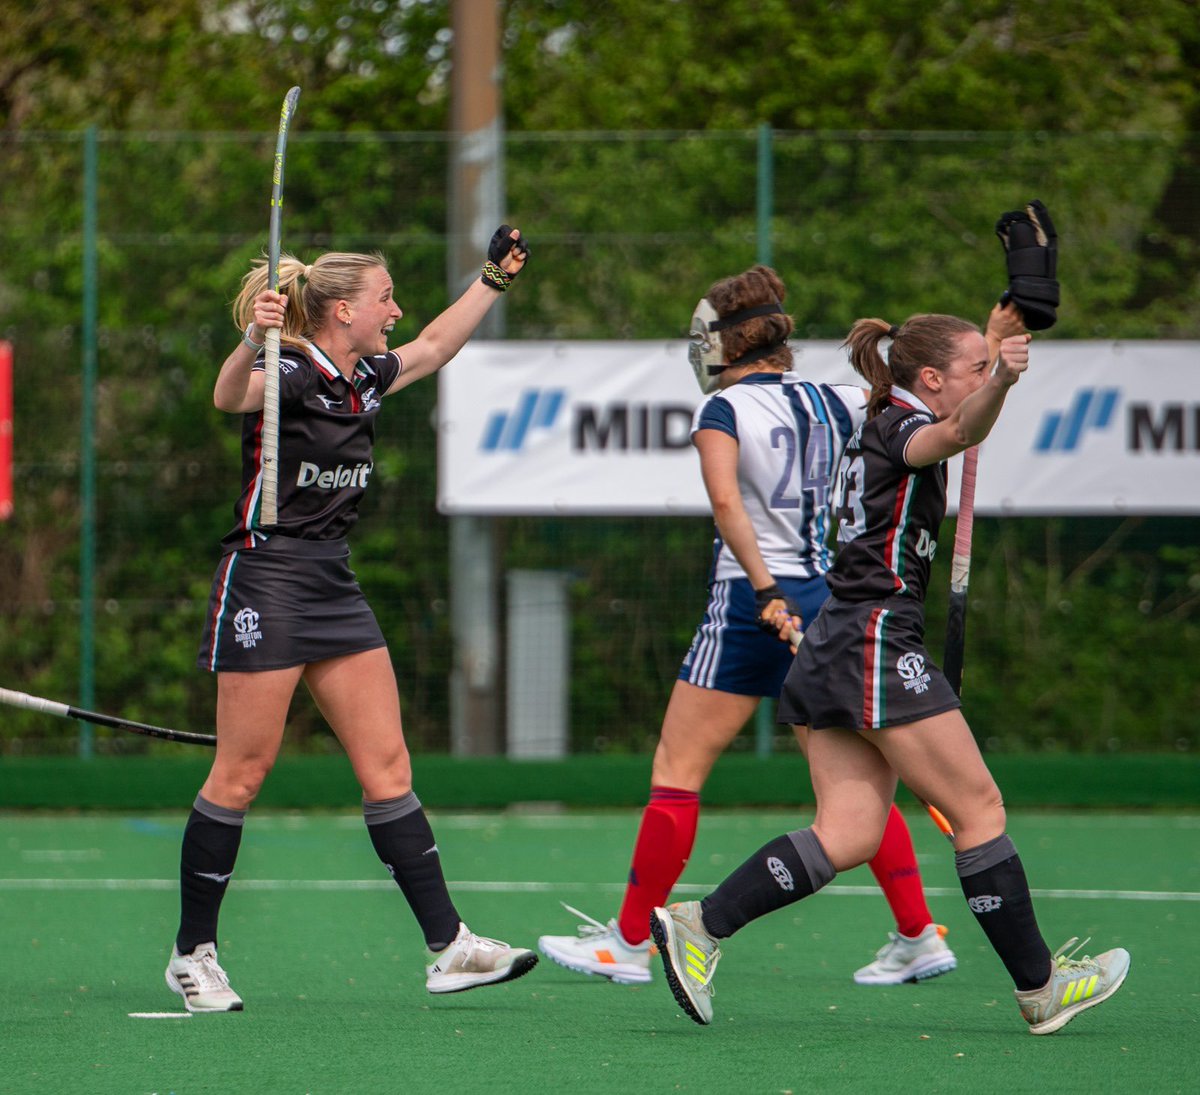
285 605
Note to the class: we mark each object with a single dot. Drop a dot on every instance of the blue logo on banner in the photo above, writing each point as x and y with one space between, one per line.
1091 409
506 431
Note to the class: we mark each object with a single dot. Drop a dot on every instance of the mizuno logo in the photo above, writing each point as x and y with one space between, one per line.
430 851
781 874
329 403
214 877
535 410
1091 409
984 903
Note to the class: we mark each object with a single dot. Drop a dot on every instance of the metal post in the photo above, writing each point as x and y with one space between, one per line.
764 720
6 430
766 191
87 447
539 659
476 208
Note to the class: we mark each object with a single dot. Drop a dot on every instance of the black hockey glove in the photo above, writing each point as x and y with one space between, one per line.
502 244
1031 245
762 598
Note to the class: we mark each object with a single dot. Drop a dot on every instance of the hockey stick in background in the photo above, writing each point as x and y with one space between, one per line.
269 511
960 574
65 711
960 578
1031 249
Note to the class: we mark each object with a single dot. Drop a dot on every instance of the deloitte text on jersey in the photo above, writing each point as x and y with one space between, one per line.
311 475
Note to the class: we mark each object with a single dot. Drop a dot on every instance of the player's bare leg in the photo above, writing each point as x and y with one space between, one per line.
358 696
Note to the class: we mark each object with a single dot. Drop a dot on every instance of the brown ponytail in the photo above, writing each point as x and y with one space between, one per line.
862 346
922 340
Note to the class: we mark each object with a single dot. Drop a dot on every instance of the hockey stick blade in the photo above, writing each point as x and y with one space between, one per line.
66 711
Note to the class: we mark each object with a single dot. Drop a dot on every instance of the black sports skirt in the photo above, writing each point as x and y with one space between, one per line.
285 602
863 665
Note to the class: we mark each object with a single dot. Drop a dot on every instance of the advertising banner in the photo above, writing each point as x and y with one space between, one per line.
603 428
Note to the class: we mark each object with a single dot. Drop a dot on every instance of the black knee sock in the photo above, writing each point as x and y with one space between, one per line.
994 881
785 870
404 842
210 847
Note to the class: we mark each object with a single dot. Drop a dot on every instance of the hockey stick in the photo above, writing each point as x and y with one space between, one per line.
269 511
960 574
960 578
960 562
65 711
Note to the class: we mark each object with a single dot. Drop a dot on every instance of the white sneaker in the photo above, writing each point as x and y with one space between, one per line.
199 979
689 956
1075 985
599 948
471 961
902 959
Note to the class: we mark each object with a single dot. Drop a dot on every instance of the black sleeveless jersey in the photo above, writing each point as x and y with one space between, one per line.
326 442
888 512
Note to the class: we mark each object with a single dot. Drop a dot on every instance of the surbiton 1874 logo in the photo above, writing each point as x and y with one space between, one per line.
245 627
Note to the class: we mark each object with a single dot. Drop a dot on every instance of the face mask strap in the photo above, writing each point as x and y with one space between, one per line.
755 355
734 318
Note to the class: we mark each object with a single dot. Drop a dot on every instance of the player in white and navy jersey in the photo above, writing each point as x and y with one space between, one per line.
786 436
877 707
285 605
769 444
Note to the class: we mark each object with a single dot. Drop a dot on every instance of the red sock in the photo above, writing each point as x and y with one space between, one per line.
895 869
664 842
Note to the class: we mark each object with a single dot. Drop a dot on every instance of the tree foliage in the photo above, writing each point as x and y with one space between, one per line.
1008 65
898 132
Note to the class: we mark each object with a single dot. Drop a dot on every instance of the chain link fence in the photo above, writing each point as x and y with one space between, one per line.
627 230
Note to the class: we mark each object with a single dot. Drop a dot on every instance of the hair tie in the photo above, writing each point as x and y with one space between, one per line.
308 270
893 331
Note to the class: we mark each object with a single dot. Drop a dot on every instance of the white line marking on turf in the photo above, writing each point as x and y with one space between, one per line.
61 855
722 818
358 884
160 1015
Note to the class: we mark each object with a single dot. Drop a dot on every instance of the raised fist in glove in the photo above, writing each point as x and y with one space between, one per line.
507 254
1031 245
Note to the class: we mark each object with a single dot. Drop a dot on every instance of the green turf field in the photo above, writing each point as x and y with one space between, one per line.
329 961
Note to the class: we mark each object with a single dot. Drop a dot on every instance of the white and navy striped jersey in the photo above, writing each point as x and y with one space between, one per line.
326 443
790 436
888 513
